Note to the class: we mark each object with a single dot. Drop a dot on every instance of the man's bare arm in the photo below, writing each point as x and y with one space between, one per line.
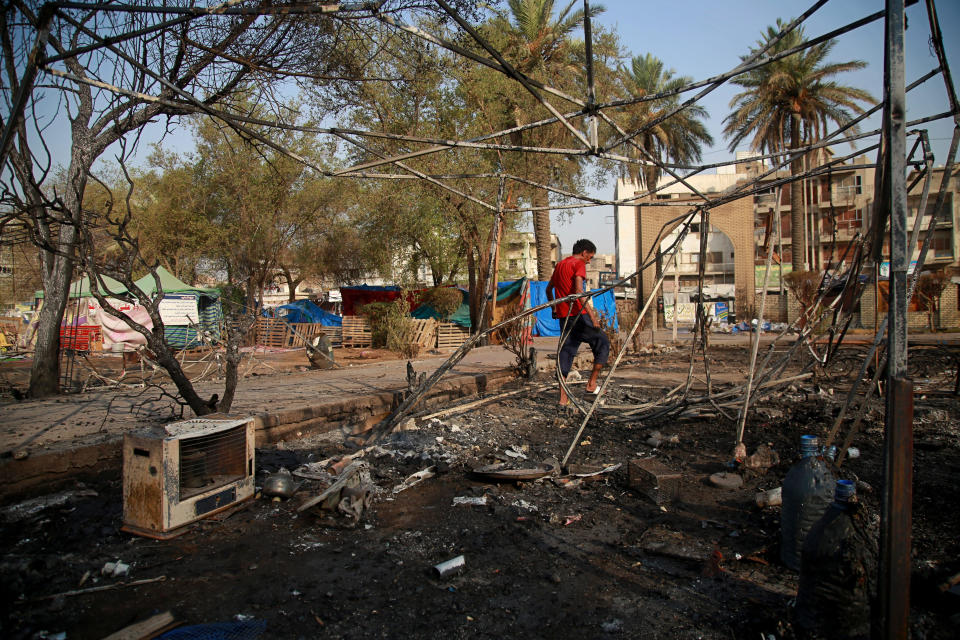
578 287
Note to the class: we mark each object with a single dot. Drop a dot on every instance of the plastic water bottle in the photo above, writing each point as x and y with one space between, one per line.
837 565
807 491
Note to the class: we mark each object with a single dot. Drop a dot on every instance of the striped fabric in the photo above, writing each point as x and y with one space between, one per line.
211 317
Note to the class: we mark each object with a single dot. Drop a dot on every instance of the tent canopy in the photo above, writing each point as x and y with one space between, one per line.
111 288
81 288
171 284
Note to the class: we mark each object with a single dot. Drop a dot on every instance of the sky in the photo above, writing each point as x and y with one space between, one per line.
703 38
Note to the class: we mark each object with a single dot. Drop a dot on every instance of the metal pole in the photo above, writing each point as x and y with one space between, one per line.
895 522
591 93
676 299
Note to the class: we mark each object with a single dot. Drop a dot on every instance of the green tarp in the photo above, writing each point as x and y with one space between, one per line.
170 284
81 288
110 287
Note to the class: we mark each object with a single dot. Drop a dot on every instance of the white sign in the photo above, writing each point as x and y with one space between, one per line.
885 268
179 309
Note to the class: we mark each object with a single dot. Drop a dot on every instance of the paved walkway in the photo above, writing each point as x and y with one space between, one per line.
43 440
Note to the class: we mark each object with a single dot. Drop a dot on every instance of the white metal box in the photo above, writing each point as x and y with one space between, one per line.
185 471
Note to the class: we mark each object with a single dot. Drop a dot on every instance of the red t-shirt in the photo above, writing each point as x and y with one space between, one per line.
563 282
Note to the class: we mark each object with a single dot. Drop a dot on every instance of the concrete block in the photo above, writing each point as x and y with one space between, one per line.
654 479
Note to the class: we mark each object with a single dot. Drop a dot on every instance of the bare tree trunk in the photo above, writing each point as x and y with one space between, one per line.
58 270
292 284
166 359
797 217
45 370
233 366
541 234
472 286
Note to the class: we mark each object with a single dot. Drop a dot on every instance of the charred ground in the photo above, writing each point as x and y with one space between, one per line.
556 557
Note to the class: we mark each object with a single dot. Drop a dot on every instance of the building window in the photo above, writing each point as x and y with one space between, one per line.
858 184
940 244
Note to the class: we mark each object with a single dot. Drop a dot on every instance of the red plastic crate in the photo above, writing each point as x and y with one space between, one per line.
78 338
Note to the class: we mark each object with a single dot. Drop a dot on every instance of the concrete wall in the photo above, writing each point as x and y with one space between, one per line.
946 317
625 229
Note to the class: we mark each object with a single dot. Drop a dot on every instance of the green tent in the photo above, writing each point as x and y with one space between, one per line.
81 288
110 287
170 284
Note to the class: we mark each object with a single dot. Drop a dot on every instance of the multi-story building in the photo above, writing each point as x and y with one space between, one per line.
838 207
518 254
601 270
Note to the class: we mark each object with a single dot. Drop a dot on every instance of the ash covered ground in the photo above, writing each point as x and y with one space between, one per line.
562 556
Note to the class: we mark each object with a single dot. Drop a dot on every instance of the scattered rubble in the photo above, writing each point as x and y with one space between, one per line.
625 526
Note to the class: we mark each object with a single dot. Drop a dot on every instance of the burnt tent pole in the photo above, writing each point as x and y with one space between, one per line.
896 507
591 92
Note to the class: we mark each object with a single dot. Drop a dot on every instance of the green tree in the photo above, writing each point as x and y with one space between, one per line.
679 138
789 103
414 222
539 42
171 70
169 217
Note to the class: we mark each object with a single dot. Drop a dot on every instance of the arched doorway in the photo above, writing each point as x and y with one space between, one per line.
681 284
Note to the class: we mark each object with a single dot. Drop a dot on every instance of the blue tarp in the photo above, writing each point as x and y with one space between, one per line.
308 311
547 325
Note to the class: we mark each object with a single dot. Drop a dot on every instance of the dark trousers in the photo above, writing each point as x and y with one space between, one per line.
581 330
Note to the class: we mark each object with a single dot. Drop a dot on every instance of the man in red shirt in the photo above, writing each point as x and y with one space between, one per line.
578 321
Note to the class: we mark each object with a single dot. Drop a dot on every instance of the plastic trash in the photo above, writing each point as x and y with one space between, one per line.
449 567
807 492
837 566
770 498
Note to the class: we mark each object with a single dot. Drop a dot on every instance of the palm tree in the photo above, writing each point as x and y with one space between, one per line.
787 104
679 138
539 44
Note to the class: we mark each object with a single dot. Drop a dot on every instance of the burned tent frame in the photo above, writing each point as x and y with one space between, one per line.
890 201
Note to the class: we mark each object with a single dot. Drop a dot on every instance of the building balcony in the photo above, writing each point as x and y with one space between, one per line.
767 200
843 196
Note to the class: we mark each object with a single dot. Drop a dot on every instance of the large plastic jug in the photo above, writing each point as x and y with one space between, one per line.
807 492
837 565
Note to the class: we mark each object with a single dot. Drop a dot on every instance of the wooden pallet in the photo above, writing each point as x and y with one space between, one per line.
450 335
424 332
356 332
272 332
234 326
301 331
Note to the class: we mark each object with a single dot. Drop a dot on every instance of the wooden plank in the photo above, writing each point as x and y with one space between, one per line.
144 629
356 332
450 335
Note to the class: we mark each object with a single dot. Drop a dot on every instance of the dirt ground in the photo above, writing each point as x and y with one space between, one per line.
558 557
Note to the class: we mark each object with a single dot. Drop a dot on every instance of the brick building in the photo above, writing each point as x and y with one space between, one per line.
838 207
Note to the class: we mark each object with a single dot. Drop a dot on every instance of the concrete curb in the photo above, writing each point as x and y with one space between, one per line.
353 415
